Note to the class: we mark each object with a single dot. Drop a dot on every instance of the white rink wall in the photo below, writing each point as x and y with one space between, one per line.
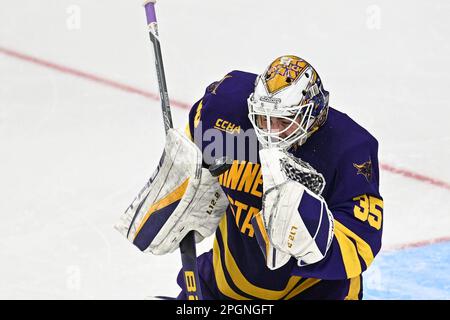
74 153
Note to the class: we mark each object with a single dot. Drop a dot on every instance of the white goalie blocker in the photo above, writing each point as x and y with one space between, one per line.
181 196
294 221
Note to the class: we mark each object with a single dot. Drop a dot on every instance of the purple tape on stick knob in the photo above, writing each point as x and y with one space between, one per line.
150 12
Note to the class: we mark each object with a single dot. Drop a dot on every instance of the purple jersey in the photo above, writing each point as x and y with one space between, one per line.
346 155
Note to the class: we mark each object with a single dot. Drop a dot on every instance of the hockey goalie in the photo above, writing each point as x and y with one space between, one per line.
296 215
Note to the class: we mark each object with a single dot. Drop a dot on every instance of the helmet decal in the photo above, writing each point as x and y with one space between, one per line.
282 72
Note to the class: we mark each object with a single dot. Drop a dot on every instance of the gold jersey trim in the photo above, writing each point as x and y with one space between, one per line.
351 252
294 286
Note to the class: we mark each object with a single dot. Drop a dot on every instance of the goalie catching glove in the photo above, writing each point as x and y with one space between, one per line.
180 197
295 220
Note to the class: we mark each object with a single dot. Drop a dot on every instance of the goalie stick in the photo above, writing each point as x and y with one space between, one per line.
187 245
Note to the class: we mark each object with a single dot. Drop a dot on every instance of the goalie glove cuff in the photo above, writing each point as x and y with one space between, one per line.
295 223
295 220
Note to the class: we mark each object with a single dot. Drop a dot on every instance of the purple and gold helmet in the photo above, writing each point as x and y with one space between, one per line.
290 90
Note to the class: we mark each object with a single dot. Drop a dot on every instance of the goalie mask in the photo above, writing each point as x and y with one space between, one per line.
288 103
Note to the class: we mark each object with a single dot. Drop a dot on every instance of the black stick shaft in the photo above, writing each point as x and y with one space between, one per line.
187 245
165 104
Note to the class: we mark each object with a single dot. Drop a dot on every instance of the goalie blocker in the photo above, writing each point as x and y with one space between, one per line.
180 197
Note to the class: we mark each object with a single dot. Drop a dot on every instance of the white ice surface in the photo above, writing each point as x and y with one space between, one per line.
73 153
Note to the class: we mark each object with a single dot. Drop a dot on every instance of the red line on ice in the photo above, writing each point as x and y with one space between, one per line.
89 76
417 244
415 176
175 103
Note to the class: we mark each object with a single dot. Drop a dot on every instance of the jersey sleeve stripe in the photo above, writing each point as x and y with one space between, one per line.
354 288
351 246
349 254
